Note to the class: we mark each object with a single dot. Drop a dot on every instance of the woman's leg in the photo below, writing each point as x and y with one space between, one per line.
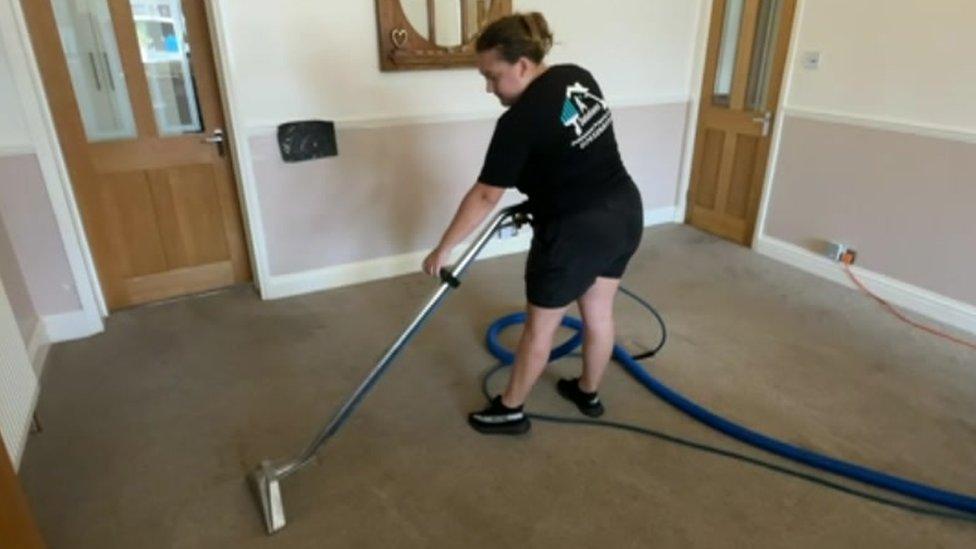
596 307
532 354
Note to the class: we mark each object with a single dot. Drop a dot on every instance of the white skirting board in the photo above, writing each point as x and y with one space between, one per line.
938 307
304 282
69 326
37 347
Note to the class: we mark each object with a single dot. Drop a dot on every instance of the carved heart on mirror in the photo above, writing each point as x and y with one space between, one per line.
432 34
399 37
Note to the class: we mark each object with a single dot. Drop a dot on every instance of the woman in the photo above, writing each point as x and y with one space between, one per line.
555 143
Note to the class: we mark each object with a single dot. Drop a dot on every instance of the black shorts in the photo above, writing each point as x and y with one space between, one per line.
569 252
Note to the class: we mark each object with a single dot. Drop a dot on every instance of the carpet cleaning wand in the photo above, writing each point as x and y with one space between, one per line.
267 477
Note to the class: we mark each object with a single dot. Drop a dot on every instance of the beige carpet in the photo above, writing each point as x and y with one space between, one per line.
151 426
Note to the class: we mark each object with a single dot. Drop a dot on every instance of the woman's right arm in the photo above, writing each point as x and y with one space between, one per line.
479 201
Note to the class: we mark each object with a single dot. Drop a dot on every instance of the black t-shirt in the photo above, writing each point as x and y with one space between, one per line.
556 144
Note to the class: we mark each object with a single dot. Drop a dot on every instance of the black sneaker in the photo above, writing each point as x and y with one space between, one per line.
498 419
588 403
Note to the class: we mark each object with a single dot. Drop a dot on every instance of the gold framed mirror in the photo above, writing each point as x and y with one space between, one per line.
432 34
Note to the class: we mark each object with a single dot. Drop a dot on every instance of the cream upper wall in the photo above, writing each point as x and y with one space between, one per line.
900 60
13 129
884 188
315 58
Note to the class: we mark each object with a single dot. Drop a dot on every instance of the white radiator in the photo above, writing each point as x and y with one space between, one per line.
18 384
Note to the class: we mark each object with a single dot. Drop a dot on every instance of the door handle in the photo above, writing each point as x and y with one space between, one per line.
94 67
767 121
216 138
108 71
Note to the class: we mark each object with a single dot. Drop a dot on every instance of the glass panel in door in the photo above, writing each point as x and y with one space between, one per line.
88 39
728 50
165 52
763 52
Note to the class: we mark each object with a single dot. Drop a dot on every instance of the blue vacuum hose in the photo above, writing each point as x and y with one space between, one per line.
930 494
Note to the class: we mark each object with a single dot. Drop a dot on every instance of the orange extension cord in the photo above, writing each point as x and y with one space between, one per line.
848 259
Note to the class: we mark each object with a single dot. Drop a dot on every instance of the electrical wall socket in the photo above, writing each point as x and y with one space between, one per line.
507 232
810 60
835 250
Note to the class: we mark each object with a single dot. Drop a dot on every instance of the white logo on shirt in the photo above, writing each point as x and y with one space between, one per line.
580 112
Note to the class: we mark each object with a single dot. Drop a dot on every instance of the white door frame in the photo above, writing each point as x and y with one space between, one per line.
788 72
247 190
697 77
57 183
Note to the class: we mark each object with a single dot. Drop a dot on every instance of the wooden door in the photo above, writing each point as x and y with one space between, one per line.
133 90
747 48
17 526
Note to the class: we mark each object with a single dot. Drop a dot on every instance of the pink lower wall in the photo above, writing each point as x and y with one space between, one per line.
393 189
906 202
16 287
34 238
